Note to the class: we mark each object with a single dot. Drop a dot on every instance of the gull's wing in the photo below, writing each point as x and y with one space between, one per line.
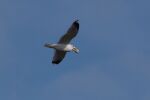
58 56
71 33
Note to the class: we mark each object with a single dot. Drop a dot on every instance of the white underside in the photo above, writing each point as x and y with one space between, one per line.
63 47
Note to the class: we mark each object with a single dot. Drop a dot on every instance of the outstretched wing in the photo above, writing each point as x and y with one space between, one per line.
71 33
58 56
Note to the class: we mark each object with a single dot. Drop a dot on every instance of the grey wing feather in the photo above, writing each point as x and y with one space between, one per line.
71 33
58 56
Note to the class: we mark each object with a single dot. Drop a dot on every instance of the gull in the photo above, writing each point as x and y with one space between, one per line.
63 46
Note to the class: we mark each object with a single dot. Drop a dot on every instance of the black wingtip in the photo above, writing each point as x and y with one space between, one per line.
76 20
56 62
76 23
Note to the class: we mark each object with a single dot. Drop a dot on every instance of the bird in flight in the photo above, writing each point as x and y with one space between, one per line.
63 46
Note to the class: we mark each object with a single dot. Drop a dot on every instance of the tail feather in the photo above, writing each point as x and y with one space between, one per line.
49 45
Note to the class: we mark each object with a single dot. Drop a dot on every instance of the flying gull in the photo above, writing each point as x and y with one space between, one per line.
63 46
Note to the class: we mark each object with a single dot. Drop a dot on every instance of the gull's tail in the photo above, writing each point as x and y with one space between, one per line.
48 45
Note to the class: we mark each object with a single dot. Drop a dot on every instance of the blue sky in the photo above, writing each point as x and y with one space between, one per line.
114 58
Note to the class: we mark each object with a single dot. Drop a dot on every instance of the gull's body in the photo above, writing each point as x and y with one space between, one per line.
64 45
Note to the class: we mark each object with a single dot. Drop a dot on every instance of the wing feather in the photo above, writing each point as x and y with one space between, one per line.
71 33
58 56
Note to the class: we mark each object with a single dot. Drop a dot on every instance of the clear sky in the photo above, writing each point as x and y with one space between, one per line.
114 43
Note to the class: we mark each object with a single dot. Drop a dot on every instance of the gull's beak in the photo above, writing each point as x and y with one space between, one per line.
75 50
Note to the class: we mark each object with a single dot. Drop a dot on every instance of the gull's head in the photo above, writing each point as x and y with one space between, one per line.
76 50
